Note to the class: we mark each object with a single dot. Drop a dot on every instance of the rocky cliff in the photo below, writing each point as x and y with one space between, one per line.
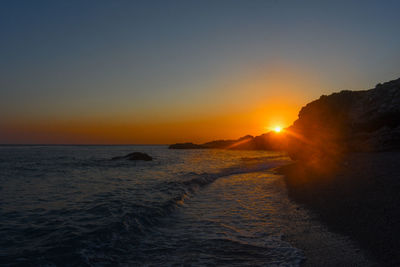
347 121
366 120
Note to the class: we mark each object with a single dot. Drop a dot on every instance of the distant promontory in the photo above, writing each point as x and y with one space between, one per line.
342 122
267 141
346 167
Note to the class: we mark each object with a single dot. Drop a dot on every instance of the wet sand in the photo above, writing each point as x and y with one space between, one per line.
359 199
320 245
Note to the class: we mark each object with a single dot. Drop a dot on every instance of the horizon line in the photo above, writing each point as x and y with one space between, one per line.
84 144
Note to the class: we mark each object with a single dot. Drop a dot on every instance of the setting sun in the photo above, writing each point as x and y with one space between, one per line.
278 129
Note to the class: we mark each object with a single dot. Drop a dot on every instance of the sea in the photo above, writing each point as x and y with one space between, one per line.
74 206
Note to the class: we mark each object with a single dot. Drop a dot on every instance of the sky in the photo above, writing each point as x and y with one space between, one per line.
160 72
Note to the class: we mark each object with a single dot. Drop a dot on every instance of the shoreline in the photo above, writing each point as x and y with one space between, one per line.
320 245
358 199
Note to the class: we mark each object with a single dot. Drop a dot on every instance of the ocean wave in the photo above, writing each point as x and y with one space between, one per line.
191 182
141 218
248 165
76 206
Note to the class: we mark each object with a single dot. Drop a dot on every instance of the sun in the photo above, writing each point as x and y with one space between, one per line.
277 129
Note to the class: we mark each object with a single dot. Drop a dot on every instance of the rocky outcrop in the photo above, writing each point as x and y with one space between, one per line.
221 144
268 141
347 121
226 144
134 156
327 128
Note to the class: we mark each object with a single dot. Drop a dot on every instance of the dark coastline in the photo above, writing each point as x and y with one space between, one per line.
358 197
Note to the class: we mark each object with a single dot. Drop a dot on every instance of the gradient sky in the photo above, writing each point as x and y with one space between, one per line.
172 71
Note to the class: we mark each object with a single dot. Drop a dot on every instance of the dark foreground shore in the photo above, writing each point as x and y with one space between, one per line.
359 197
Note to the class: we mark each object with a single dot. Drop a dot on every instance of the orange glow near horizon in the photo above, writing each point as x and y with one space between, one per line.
253 104
152 131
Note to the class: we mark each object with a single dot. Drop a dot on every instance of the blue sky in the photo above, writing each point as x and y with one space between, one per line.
173 60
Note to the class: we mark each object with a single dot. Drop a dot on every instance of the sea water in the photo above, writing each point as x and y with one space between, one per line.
74 206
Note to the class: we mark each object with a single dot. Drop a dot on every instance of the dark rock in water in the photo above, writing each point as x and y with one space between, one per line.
347 121
185 146
135 156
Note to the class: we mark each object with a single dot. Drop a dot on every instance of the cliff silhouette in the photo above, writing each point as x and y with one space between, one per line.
347 121
347 166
